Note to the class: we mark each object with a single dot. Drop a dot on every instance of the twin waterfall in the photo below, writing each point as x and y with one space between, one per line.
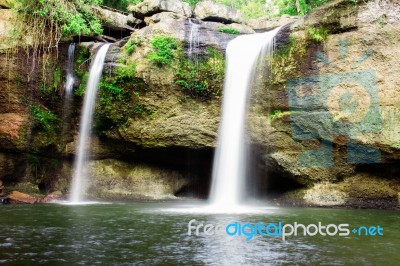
80 173
243 55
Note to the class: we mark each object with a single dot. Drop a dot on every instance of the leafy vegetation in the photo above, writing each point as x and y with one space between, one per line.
229 30
62 18
163 48
275 114
203 79
318 34
132 44
121 4
44 118
119 99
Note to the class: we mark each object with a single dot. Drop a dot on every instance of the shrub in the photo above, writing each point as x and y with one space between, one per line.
44 119
318 34
163 47
229 30
63 18
118 99
132 44
203 79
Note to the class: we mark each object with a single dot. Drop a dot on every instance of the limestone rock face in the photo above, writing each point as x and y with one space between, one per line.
150 7
210 11
113 20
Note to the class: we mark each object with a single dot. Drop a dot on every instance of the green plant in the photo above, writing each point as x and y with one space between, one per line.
118 99
275 114
163 48
82 55
44 118
202 79
121 4
229 30
132 44
50 20
318 34
80 91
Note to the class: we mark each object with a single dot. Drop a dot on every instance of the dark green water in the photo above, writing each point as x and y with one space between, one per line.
146 234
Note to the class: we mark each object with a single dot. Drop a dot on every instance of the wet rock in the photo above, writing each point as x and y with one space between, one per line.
210 11
1 189
151 7
52 197
114 23
16 197
162 17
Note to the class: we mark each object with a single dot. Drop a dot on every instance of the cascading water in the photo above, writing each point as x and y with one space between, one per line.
194 40
80 164
230 162
69 83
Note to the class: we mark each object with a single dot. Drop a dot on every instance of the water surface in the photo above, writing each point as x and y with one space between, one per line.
156 234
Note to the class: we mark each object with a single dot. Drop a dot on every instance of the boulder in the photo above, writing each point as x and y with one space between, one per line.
51 197
114 23
162 17
210 11
16 197
151 7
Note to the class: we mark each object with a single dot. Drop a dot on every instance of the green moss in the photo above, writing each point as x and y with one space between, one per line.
132 44
285 62
318 34
45 120
275 114
229 30
119 99
80 91
163 50
204 78
82 55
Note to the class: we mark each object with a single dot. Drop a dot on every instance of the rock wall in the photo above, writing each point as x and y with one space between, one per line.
161 130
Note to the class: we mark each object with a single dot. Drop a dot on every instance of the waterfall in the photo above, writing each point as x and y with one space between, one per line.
79 178
243 54
194 40
69 83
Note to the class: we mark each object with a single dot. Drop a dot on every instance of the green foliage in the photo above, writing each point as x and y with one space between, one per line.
121 4
203 79
275 114
63 18
44 118
254 9
82 54
297 7
80 91
163 48
132 44
287 62
318 34
229 30
118 99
